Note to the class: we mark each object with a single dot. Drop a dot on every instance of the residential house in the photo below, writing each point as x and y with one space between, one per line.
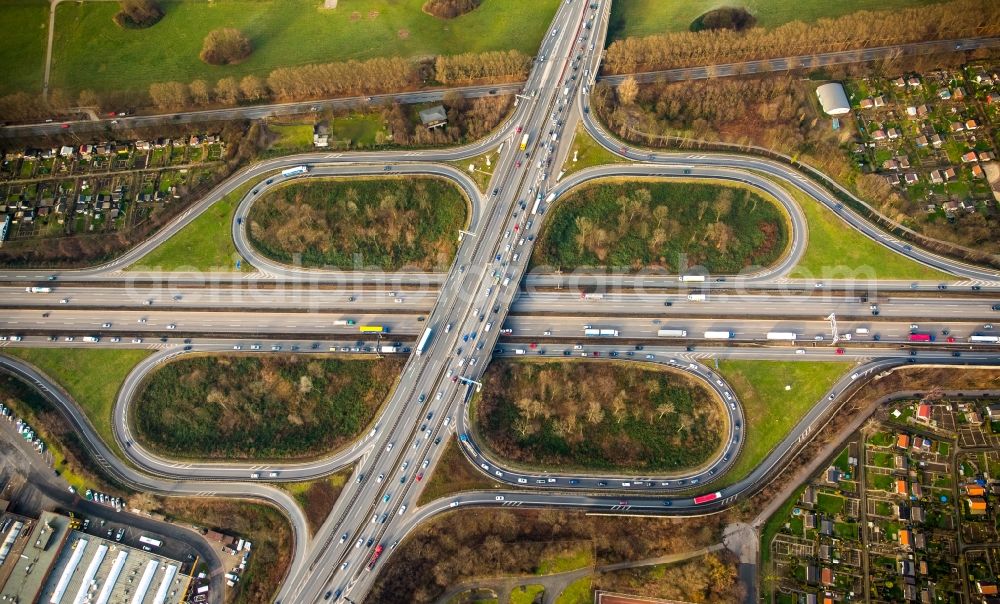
901 487
826 527
905 539
936 177
878 135
833 475
936 141
321 135
917 490
919 540
434 117
992 98
826 576
866 103
903 440
899 82
892 133
944 94
977 505
922 141
924 412
903 161
879 101
975 490
951 206
890 164
971 125
987 589
957 126
949 173
810 520
917 513
66 151
914 82
812 574
986 156
911 111
969 157
994 412
911 177
892 178
958 93
906 568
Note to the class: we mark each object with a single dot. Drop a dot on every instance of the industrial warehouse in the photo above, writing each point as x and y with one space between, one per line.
48 560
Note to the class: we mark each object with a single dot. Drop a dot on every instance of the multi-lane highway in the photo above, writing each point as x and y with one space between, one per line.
453 321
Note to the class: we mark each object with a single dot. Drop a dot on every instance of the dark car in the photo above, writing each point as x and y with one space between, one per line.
996 307
956 354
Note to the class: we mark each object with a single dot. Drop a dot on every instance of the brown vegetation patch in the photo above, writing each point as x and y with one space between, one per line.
711 578
576 414
403 34
461 545
355 16
453 474
261 524
449 9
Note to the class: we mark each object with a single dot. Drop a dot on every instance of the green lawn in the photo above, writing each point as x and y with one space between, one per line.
92 377
836 251
830 504
527 596
24 24
581 557
588 153
204 245
770 410
481 173
92 52
291 137
578 592
646 17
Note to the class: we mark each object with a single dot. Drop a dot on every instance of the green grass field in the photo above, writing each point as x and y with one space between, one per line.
773 525
581 557
92 377
588 153
835 250
525 594
578 592
24 25
647 17
770 410
204 245
92 52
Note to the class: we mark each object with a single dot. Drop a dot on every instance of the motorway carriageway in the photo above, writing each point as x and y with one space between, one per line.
348 303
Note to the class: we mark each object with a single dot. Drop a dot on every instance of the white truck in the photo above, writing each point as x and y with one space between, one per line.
388 349
696 297
297 170
692 278
781 335
718 335
38 290
672 333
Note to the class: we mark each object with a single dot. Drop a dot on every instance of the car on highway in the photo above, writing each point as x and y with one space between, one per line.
840 351
499 497
388 447
385 498
343 538
380 478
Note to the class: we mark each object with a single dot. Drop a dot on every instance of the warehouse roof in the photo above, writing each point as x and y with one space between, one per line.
833 99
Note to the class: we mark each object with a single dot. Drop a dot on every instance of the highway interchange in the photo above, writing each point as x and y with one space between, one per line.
293 308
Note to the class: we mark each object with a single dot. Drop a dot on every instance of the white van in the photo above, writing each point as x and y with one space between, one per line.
862 331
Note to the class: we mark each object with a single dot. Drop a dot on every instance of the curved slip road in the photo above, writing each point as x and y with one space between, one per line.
123 472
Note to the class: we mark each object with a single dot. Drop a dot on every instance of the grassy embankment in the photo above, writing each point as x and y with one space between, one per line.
667 225
62 443
578 592
526 594
92 377
770 410
588 153
203 245
92 52
836 250
389 223
647 17
453 474
274 407
316 497
579 415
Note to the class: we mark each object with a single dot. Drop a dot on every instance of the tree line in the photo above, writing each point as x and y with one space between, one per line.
373 76
956 19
